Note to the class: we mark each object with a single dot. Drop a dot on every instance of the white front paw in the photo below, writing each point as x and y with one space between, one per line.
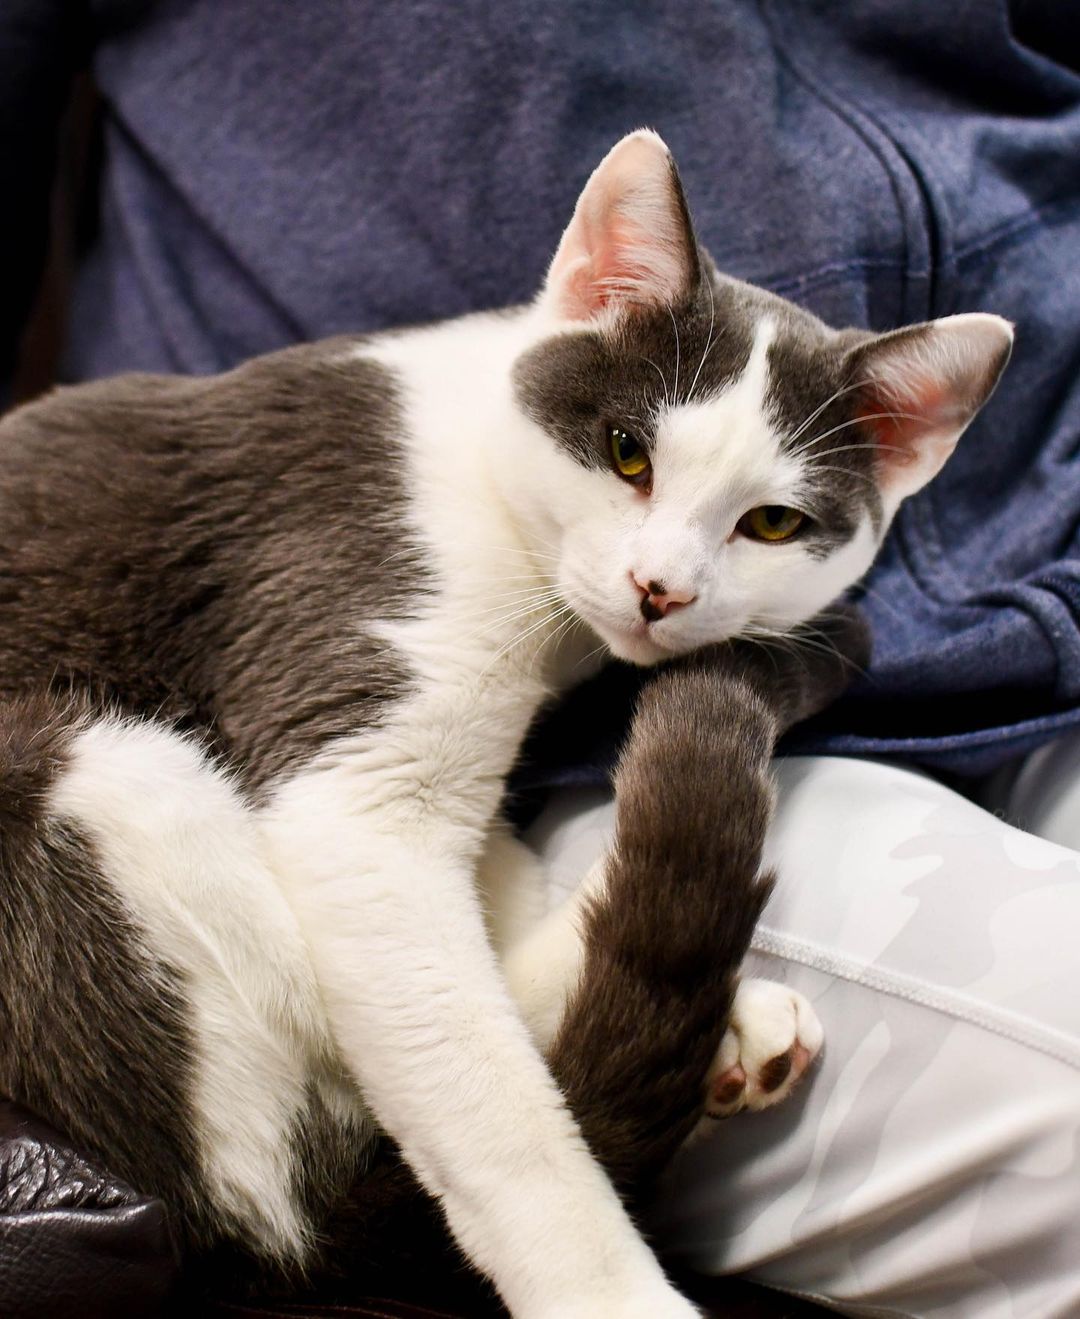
772 1038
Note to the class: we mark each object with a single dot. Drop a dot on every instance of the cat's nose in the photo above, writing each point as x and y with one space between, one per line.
658 600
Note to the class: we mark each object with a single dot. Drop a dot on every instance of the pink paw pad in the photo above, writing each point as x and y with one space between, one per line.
772 1040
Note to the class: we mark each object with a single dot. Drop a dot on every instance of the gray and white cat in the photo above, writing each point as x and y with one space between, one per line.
269 645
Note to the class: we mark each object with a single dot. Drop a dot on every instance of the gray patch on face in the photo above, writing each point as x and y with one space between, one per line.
213 550
814 407
577 384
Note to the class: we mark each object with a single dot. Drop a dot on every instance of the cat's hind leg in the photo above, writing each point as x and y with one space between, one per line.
156 997
512 886
773 1034
772 1040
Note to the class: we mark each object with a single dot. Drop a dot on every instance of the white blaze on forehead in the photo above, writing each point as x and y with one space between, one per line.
723 452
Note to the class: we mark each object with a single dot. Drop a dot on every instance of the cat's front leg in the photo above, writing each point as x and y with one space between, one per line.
423 1020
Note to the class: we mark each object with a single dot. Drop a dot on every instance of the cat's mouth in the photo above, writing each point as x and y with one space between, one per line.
627 635
635 643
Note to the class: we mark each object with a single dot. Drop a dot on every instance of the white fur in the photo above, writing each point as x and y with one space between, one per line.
377 852
544 966
377 845
184 857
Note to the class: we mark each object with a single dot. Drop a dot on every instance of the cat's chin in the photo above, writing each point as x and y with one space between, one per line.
633 646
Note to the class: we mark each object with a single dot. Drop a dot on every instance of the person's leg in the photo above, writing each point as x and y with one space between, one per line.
1045 795
931 1166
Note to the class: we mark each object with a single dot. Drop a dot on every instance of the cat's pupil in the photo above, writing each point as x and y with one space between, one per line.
775 514
627 446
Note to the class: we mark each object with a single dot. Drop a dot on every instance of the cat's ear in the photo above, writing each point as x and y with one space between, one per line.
918 388
630 241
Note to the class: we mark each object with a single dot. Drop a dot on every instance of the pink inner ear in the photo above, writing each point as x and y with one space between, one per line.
615 267
901 421
618 266
629 241
606 270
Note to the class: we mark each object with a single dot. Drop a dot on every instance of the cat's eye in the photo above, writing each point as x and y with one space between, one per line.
772 522
628 457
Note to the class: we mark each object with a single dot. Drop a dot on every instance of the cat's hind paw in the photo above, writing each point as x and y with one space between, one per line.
773 1037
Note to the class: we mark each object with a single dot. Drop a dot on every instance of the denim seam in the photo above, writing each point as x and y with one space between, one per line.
864 129
1014 230
923 512
790 279
896 984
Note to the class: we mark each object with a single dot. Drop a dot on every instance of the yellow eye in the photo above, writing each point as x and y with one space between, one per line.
628 457
772 522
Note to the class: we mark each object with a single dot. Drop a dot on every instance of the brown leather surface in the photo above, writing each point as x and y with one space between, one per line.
76 1241
729 1298
73 1240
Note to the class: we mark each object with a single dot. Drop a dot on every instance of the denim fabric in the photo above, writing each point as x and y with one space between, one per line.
275 171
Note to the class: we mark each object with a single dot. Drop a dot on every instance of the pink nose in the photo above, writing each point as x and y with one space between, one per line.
658 600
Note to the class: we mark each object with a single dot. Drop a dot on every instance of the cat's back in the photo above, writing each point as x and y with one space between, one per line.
168 536
148 444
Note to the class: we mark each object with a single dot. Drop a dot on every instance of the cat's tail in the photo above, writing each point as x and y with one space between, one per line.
666 936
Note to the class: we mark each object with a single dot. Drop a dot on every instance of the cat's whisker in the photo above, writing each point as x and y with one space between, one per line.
547 615
760 644
663 379
872 445
585 658
804 635
551 545
538 584
511 614
407 551
814 639
675 327
855 421
809 421
494 601
516 641
844 471
510 602
501 617
708 341
520 550
564 627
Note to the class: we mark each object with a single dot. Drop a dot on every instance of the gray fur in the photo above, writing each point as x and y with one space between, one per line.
95 1036
210 550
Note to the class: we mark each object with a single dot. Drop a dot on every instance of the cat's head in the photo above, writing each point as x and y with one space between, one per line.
718 462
